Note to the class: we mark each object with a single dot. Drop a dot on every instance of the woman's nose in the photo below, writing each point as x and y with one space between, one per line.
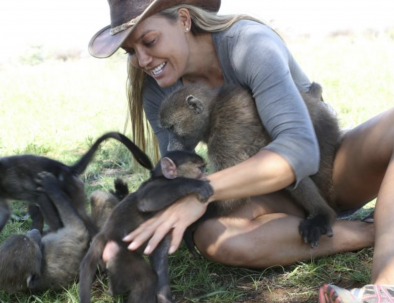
143 59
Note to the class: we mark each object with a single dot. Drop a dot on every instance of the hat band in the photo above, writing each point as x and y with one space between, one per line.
124 26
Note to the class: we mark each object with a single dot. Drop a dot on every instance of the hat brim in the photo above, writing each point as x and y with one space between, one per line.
104 45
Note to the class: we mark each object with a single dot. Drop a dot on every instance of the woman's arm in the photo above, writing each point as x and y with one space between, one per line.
263 173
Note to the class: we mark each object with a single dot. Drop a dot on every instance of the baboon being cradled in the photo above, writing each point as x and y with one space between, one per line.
226 119
32 262
179 173
17 175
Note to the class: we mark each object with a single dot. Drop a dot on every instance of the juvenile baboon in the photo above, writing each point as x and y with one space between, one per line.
17 175
226 119
177 174
49 262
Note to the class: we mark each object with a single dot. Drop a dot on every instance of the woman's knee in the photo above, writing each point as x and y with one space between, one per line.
223 243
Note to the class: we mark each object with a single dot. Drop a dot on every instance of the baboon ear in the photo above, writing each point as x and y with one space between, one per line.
195 104
168 168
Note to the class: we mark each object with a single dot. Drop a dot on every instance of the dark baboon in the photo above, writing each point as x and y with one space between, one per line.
17 175
226 119
51 262
177 174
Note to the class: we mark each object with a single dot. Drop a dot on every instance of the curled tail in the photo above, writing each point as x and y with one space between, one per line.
138 154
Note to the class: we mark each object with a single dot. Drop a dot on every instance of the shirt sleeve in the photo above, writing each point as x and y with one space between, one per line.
262 63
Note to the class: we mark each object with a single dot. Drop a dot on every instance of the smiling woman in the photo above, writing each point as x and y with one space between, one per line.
171 43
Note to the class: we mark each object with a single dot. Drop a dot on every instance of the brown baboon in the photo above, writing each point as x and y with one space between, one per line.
17 175
177 174
226 119
32 262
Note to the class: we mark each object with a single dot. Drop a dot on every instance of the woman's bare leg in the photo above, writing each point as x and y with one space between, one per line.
364 169
265 233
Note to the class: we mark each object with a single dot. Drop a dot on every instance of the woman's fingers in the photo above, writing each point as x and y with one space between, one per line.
175 219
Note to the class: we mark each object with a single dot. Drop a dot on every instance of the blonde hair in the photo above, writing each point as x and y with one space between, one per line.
202 22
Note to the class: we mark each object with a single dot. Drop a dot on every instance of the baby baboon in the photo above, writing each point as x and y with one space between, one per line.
51 262
17 175
177 174
226 119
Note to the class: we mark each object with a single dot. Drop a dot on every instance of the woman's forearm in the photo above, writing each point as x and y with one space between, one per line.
263 173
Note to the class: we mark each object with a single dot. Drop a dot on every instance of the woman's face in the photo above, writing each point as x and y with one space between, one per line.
160 48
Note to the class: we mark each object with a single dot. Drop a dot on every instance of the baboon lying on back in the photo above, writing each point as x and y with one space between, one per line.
29 262
17 175
226 119
177 174
52 262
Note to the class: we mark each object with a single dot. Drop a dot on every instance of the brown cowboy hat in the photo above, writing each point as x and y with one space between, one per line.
126 14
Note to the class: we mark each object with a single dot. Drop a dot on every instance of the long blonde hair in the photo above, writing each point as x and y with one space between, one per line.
202 22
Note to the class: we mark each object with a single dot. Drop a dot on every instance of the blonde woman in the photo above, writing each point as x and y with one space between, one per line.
171 43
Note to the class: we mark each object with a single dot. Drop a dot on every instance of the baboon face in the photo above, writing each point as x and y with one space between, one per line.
183 113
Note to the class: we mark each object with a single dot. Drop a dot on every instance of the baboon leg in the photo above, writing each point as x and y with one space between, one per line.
88 268
49 212
320 215
4 213
76 189
128 271
159 261
36 217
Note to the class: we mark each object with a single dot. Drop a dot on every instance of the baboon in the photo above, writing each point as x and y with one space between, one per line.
226 119
32 262
102 203
177 174
17 175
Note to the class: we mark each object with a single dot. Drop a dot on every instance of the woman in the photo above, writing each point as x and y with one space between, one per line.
172 43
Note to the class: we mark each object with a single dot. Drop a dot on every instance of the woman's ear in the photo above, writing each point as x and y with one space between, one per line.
184 18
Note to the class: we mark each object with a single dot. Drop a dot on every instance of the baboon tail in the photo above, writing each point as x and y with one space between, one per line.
88 268
121 189
138 154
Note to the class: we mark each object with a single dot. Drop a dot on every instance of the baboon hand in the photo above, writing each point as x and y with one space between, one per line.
313 228
205 192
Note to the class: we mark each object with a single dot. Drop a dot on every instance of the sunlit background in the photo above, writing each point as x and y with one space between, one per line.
71 23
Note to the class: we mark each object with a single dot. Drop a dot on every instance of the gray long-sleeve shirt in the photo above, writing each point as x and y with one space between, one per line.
254 56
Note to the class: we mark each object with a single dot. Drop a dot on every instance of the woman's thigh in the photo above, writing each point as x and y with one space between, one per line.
362 160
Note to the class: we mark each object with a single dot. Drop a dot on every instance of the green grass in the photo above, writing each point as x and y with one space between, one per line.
58 108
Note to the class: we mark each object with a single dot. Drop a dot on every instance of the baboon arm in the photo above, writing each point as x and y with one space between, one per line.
157 195
308 196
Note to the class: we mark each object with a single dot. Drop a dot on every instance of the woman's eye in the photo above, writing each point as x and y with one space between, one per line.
129 51
150 42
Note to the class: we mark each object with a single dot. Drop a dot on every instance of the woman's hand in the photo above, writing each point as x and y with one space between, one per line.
174 220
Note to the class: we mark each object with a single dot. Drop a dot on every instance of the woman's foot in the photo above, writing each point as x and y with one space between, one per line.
368 294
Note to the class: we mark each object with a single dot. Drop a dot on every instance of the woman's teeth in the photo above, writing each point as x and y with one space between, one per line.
158 69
